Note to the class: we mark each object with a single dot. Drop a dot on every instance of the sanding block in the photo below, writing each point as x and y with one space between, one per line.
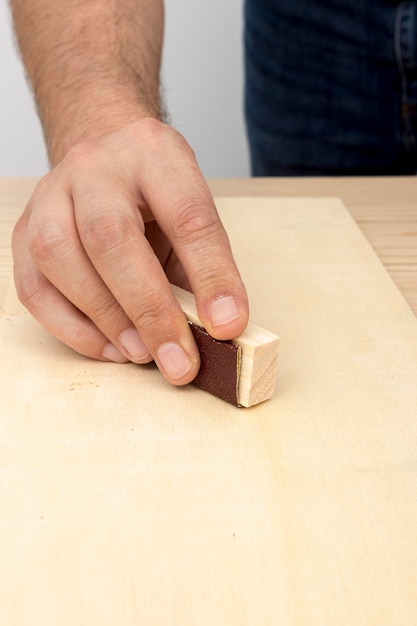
241 371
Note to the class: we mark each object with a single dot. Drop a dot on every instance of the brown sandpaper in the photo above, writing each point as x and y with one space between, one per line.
220 365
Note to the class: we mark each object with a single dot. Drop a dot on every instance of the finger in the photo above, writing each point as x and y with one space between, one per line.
54 244
112 236
52 310
185 210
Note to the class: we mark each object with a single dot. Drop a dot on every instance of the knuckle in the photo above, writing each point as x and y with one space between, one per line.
107 233
157 137
190 222
49 242
149 126
150 314
83 161
150 132
80 156
101 310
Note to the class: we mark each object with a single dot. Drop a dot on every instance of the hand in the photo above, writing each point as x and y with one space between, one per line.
103 235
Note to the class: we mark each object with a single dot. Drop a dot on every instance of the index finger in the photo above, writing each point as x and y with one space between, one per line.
184 208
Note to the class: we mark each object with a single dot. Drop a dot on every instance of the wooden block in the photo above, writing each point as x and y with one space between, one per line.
253 370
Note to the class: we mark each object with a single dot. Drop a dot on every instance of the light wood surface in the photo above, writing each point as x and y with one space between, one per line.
385 209
125 501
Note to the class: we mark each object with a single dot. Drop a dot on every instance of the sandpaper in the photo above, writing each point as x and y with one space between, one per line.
220 365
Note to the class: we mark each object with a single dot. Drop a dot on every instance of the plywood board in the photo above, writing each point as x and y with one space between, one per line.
126 501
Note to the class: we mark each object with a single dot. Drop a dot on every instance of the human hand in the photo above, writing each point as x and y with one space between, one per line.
103 235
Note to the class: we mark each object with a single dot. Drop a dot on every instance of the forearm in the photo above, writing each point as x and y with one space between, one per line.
93 64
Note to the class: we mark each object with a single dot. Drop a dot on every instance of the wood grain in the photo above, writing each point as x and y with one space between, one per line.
126 501
378 205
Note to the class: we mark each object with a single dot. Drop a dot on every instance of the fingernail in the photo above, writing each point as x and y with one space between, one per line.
111 353
174 361
223 310
134 346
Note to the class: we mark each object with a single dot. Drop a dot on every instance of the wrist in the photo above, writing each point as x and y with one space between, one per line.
90 116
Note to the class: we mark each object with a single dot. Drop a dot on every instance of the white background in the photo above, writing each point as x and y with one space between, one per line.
203 82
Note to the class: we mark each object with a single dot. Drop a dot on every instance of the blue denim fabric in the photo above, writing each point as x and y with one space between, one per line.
331 86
